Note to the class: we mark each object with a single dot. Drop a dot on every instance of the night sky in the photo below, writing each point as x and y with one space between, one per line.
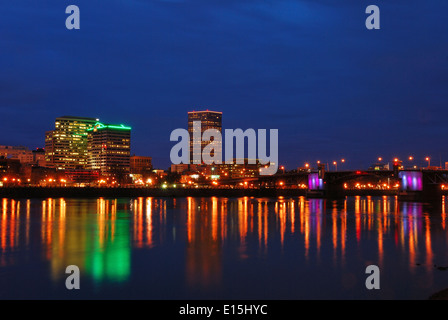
308 68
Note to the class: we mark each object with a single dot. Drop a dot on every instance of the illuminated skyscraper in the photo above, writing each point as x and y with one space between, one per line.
109 148
66 145
209 120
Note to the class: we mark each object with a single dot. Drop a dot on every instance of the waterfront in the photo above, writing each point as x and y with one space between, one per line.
222 248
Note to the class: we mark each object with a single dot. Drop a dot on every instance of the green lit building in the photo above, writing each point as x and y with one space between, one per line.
66 145
109 149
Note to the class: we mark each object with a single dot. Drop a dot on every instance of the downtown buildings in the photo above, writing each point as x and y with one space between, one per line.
215 174
87 150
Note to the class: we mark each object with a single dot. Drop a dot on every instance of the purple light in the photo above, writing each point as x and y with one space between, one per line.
411 180
314 183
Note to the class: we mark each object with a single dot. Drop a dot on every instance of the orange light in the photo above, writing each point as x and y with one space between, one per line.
380 159
396 160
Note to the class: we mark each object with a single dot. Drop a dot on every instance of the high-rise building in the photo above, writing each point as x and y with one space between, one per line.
109 148
66 145
209 120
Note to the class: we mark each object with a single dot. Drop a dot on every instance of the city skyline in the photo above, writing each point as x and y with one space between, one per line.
380 93
223 158
408 160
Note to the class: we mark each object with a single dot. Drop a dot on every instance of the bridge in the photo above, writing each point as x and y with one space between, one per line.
408 184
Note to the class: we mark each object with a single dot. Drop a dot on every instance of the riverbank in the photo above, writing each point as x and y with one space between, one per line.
121 192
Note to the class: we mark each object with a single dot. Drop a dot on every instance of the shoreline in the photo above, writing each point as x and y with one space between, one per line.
131 192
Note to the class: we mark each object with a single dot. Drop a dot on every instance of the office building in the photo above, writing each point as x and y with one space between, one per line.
209 120
66 145
140 164
109 148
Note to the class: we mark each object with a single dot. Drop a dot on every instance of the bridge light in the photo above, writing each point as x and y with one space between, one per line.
380 159
411 158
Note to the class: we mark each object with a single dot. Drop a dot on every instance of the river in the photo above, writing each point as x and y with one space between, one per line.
222 248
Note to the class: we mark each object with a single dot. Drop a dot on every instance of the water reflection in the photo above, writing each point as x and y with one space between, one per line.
203 249
100 235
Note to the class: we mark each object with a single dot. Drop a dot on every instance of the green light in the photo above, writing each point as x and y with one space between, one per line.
100 125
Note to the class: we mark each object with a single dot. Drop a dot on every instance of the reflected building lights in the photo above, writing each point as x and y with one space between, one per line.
443 212
250 225
149 241
203 251
428 246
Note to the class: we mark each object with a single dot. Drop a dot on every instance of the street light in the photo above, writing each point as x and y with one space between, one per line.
411 158
429 161
336 165
380 159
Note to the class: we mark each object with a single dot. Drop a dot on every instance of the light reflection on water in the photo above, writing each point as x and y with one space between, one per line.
222 247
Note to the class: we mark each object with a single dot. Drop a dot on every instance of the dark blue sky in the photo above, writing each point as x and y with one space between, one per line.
309 68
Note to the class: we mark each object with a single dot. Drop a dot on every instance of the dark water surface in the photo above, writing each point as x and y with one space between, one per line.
222 248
